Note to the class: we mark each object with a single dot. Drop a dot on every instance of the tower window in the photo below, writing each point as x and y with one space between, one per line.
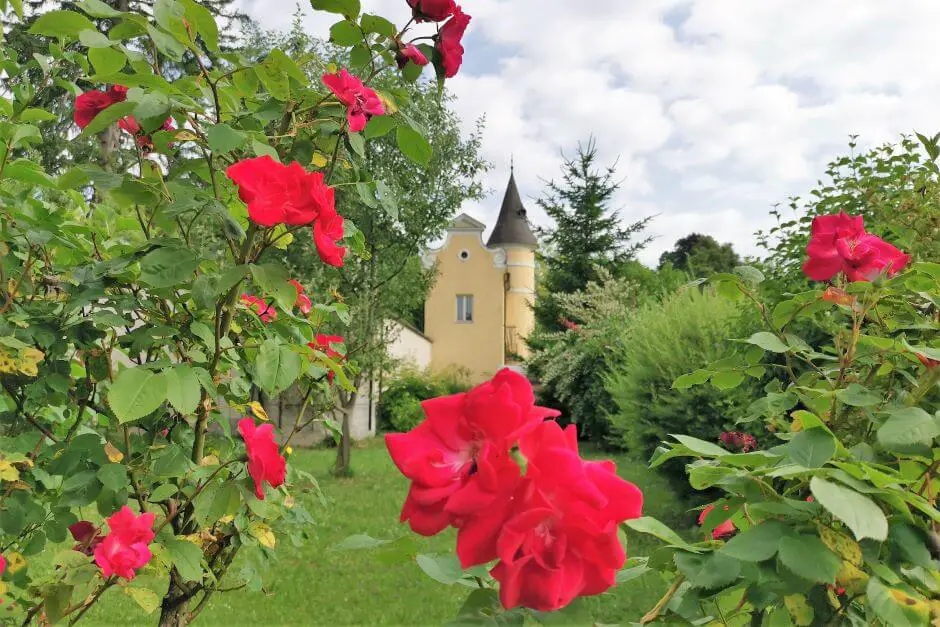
464 308
464 254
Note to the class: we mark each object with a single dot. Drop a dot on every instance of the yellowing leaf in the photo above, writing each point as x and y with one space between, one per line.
391 107
226 519
852 578
209 460
15 562
114 455
913 603
8 472
319 160
186 136
841 544
800 610
289 502
258 410
263 533
146 599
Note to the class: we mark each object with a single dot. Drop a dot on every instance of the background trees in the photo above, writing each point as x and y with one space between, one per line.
700 255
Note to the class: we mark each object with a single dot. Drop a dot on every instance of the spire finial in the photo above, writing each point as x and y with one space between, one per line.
512 164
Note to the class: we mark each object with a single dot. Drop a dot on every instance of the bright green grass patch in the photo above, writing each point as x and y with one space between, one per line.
315 585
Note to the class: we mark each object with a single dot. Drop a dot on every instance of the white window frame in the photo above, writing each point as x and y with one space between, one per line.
464 313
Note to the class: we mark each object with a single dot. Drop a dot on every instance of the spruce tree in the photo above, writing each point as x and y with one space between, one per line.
588 233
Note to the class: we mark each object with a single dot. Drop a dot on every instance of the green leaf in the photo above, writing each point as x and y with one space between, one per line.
442 568
768 341
223 138
217 501
908 429
413 145
163 492
107 60
113 476
345 33
858 396
757 544
61 24
28 172
169 266
811 448
56 600
700 446
750 274
275 73
135 393
349 8
204 22
378 25
686 381
858 512
277 367
97 8
93 39
653 527
896 607
186 556
166 43
809 558
108 117
273 279
357 143
146 599
709 571
380 126
359 541
182 389
727 379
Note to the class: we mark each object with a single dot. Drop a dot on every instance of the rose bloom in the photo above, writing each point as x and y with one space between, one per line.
117 93
324 344
927 361
130 125
125 549
432 10
265 462
741 441
87 537
449 42
361 102
3 564
723 530
266 312
839 243
445 453
411 53
560 541
281 194
303 301
90 104
327 231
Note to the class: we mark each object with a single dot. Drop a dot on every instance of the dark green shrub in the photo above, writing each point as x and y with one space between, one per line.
662 341
400 405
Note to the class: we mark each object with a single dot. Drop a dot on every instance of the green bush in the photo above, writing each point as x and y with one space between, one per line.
662 341
400 406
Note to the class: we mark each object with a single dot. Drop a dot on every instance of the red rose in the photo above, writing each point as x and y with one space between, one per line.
3 564
442 454
324 344
117 93
87 536
736 440
280 194
90 104
361 102
303 301
265 462
266 312
449 42
927 361
839 243
432 10
327 231
411 53
125 549
723 530
561 540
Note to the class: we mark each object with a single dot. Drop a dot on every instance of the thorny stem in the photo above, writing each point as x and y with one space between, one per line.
654 613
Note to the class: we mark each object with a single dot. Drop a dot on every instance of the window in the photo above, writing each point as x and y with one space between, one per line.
464 308
464 255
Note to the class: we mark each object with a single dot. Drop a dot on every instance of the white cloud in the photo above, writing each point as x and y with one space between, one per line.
717 109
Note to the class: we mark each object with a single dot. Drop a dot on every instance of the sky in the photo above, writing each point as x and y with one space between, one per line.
713 110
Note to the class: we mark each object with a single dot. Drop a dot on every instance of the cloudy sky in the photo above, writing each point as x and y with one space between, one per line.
716 109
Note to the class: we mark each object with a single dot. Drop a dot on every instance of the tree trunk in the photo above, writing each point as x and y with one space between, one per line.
173 611
342 468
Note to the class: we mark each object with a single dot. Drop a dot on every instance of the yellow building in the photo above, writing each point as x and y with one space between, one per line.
480 309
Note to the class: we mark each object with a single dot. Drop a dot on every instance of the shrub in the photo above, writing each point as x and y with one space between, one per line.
662 341
400 409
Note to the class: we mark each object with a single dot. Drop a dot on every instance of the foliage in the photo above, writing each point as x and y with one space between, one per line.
399 406
588 233
700 255
836 518
571 365
894 187
660 342
123 337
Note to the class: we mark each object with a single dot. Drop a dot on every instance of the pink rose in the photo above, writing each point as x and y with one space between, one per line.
839 243
449 42
125 549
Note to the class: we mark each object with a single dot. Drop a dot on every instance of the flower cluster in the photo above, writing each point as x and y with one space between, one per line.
449 37
265 462
89 104
552 529
125 549
262 309
360 101
737 441
287 194
324 344
839 243
303 301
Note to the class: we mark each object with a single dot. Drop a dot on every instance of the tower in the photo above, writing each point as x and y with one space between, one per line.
513 234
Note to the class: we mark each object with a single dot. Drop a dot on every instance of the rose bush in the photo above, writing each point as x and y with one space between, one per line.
144 304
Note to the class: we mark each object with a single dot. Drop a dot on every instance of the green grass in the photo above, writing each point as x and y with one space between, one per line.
315 585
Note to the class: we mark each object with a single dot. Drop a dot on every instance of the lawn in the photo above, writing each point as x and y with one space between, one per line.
316 585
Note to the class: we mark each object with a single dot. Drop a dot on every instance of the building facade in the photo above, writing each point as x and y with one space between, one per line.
479 311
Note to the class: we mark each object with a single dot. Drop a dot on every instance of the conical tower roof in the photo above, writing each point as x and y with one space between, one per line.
512 226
